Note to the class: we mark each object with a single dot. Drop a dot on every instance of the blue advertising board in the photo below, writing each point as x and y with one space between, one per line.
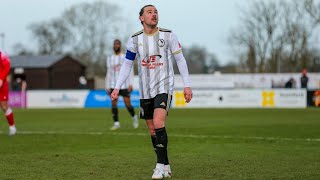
100 99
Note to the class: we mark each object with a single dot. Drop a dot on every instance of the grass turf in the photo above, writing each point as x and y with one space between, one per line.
203 144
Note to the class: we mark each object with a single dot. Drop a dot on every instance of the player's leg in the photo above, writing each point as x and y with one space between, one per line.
146 112
9 115
127 101
161 138
159 169
160 143
152 133
115 115
4 95
162 105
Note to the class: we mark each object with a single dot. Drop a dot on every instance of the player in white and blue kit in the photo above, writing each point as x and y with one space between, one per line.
153 48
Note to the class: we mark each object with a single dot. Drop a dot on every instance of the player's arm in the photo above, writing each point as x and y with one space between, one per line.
131 76
107 82
182 66
123 76
125 68
5 71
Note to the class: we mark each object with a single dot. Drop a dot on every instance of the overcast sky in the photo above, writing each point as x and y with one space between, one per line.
203 22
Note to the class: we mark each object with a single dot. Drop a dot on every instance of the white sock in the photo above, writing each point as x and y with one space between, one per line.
160 166
117 123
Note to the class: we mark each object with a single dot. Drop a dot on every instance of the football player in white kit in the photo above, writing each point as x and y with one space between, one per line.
113 64
153 48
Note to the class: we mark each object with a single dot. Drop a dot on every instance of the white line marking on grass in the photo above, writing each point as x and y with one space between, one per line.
226 137
171 135
55 133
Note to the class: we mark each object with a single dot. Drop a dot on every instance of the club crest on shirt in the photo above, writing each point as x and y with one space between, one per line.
161 43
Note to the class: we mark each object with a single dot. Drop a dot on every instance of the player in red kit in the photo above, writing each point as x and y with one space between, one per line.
4 92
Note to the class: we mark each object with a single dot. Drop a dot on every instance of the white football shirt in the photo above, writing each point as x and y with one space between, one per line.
113 64
153 53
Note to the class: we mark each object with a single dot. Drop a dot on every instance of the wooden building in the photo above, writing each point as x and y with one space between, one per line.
48 72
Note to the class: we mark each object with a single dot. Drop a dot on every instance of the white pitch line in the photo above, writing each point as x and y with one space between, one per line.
171 135
226 137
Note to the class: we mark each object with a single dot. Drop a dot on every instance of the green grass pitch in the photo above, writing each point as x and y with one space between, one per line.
203 144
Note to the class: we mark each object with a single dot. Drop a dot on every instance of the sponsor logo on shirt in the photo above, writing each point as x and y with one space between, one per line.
152 62
117 67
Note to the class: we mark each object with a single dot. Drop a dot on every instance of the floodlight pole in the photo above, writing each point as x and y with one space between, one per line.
3 36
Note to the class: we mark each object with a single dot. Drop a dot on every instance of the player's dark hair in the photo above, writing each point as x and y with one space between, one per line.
142 10
117 40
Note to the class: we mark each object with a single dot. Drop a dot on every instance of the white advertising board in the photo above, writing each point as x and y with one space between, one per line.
56 99
258 81
254 98
280 98
284 98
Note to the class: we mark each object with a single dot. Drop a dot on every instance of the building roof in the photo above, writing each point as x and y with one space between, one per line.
30 61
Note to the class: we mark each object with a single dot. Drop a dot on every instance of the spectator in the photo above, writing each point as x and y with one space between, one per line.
16 86
289 84
23 85
304 79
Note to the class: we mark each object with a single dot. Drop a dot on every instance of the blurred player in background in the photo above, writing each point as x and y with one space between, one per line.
113 67
153 48
4 92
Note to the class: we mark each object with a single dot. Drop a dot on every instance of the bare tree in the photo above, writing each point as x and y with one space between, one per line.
199 60
313 9
251 57
20 50
51 36
84 31
92 26
297 32
258 34
276 36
